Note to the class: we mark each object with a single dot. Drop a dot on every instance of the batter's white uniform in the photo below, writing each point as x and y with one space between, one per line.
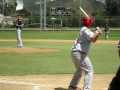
79 55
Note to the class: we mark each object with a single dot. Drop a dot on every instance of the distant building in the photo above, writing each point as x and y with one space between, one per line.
8 20
1 18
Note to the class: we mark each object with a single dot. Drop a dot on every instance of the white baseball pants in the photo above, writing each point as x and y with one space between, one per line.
19 40
82 63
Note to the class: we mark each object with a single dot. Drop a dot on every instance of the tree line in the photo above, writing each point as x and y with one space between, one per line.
109 8
32 11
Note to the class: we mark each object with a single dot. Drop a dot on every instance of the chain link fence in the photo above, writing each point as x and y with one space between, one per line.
62 22
69 21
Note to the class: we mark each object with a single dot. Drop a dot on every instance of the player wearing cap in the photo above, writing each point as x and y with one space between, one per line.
79 53
106 31
19 30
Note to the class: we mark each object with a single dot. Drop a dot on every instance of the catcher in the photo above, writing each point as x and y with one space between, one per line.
115 83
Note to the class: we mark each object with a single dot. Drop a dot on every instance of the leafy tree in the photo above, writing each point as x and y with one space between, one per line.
112 7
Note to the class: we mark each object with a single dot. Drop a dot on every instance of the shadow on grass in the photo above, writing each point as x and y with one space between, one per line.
60 88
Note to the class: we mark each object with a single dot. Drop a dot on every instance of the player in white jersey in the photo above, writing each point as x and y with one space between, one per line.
19 30
80 57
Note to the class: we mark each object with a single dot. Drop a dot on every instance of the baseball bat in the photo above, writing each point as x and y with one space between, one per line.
84 13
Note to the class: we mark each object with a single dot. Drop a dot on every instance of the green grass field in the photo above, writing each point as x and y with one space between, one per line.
104 57
114 34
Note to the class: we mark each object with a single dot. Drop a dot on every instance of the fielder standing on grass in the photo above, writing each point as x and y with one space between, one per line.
106 32
79 54
115 83
19 30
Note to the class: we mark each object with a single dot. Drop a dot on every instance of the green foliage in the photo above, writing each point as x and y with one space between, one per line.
112 7
30 6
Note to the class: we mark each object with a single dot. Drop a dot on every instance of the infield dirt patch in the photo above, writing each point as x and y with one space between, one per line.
59 40
50 82
25 50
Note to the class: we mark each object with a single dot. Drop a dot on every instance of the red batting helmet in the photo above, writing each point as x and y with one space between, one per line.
87 22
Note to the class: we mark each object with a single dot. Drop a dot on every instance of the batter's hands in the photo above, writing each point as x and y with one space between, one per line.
98 30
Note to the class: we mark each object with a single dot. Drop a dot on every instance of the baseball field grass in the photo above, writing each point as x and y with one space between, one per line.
36 34
104 56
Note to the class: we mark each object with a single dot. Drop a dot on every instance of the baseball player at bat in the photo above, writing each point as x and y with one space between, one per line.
79 54
115 83
19 30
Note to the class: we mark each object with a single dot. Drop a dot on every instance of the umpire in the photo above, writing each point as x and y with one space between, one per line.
115 83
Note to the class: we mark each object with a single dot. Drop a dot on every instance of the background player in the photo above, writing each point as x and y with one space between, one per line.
19 30
79 54
106 31
115 83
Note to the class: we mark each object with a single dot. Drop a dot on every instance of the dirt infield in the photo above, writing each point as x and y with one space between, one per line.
25 50
50 82
53 40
